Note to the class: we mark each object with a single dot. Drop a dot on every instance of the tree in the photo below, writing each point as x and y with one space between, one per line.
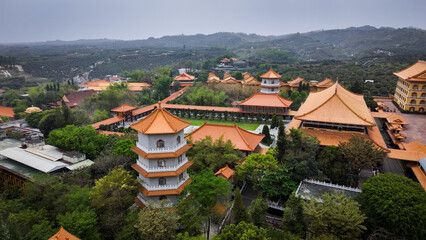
274 122
157 222
111 196
361 153
293 219
82 224
277 183
129 230
395 203
257 211
238 75
123 147
205 190
213 155
33 119
83 139
335 215
162 87
99 115
336 167
282 142
243 230
267 139
255 167
239 212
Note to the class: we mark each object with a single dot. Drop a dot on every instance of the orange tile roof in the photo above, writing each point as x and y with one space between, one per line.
415 146
225 60
146 155
174 96
108 121
143 110
295 82
271 74
160 121
204 108
242 139
146 174
137 86
148 193
413 72
293 124
102 85
184 77
325 83
124 108
7 112
375 135
226 75
412 156
335 105
213 78
420 175
62 234
250 81
139 203
227 172
266 100
107 133
333 138
246 75
96 83
390 117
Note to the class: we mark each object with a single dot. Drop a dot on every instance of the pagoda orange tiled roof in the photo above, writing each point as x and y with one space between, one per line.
213 78
270 74
246 75
143 110
124 108
146 155
241 139
108 121
177 191
227 172
184 77
335 105
62 234
325 83
160 121
420 175
266 100
7 112
415 72
296 82
146 174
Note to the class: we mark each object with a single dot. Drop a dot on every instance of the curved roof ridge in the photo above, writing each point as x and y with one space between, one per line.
167 119
151 120
354 112
242 137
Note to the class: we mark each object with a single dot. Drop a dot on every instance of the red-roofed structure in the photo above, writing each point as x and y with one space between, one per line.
62 234
185 79
72 100
7 112
108 122
226 172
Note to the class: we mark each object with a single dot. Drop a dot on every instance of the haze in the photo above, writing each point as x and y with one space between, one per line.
46 20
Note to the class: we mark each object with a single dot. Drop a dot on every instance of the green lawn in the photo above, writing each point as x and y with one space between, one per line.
246 126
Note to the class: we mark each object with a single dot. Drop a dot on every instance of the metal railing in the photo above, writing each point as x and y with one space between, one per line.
162 187
161 169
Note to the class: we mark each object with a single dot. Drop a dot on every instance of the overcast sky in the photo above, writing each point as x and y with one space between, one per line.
43 20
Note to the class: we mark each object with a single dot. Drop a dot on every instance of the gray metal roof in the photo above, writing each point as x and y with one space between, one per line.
312 188
29 159
81 164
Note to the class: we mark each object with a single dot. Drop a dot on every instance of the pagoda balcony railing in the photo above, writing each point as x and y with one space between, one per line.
161 169
410 89
270 84
417 97
162 187
161 150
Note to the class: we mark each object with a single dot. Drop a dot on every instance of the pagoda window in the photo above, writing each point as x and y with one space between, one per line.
422 102
160 143
272 89
180 177
413 102
163 197
415 87
161 163
178 139
273 82
162 181
414 94
180 159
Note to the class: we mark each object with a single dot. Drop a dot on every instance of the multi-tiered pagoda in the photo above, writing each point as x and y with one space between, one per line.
162 164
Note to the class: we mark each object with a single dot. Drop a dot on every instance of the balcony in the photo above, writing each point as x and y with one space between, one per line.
161 150
161 169
163 187
410 89
277 84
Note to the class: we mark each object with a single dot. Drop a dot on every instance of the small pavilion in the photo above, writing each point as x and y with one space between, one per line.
124 111
184 79
227 173
62 234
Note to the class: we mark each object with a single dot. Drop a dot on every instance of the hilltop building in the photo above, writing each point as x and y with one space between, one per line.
410 92
267 100
162 163
335 115
184 80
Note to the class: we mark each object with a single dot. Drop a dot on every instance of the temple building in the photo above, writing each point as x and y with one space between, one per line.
410 92
124 111
293 85
335 115
267 100
184 80
63 234
243 140
162 163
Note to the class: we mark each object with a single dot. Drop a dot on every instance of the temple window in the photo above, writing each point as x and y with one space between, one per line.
178 139
414 94
273 82
180 177
423 94
163 198
180 159
422 102
413 102
424 87
161 181
160 143
415 87
161 163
